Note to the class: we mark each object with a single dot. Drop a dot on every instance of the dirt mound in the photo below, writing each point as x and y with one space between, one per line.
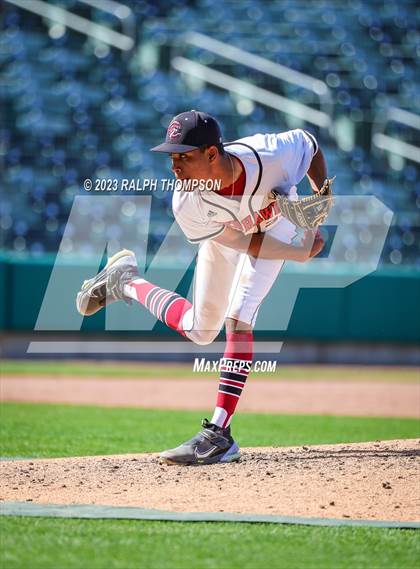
370 481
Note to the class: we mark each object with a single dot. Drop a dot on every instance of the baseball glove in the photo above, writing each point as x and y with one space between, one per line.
311 211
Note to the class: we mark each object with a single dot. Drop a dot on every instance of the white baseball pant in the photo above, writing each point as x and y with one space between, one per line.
230 284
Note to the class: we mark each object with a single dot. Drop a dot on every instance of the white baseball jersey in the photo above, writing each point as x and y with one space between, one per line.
271 162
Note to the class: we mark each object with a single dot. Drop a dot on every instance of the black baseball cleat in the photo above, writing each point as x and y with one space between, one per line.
210 446
108 285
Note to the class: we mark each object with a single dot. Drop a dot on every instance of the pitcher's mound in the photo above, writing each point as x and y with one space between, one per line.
369 481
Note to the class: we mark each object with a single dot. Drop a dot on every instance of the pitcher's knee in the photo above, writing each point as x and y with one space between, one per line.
202 337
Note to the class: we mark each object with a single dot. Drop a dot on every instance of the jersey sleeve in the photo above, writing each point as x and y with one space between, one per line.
190 217
296 148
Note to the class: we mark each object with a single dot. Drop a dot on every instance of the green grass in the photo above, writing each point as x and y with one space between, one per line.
152 370
55 543
65 430
60 430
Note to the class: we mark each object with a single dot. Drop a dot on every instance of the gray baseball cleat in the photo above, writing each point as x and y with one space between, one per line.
108 285
211 445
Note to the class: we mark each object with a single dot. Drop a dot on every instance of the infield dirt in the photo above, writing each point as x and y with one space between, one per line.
354 398
368 481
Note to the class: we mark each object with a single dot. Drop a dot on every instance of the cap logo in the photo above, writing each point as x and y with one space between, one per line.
174 130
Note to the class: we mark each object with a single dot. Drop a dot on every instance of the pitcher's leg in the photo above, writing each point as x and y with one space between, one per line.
167 306
216 276
215 273
258 277
234 369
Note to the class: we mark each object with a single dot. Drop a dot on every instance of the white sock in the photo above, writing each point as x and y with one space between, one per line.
131 291
219 417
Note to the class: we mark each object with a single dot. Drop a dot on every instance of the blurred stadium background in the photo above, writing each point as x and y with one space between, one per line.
88 86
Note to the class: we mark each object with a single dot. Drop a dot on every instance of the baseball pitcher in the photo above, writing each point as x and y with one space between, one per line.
244 229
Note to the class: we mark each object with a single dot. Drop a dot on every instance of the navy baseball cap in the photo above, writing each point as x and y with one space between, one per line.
188 131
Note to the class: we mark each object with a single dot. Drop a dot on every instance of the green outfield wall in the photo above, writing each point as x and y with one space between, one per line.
382 307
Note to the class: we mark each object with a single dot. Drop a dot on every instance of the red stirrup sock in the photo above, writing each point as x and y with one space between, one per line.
235 366
165 305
